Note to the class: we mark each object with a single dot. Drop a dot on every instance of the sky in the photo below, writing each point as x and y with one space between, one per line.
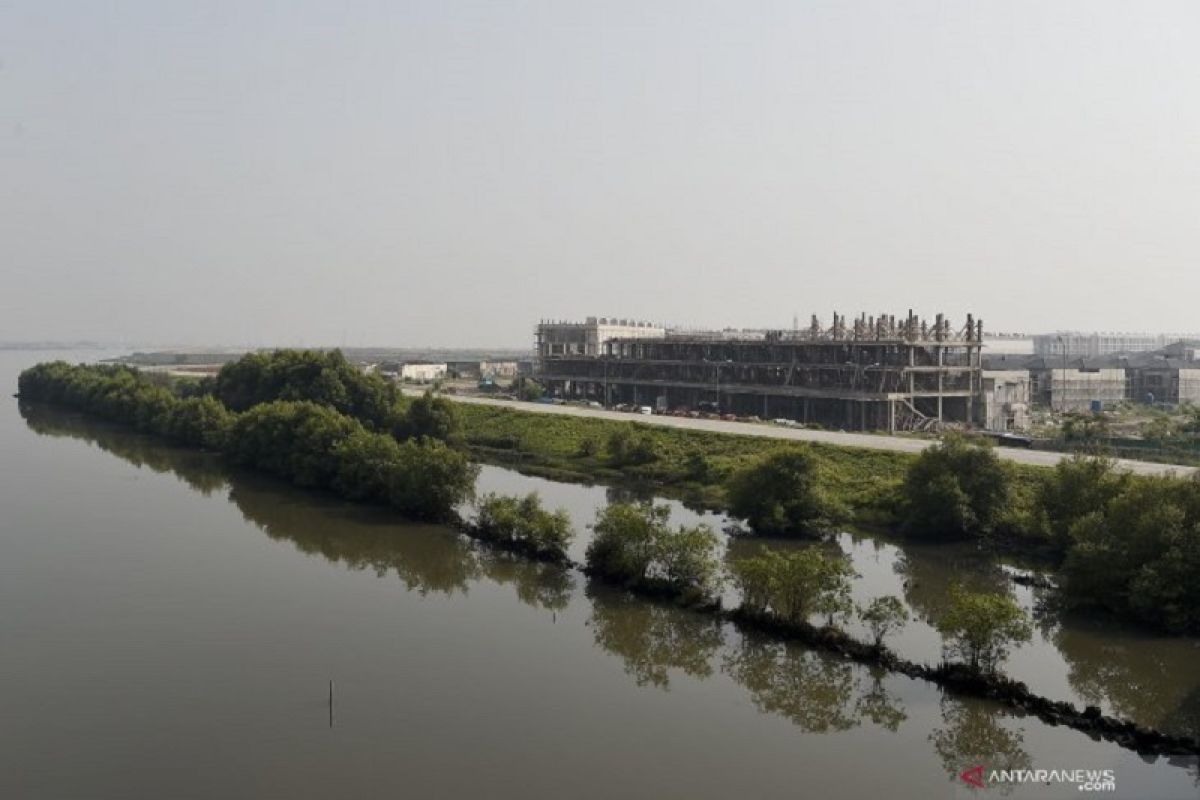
448 173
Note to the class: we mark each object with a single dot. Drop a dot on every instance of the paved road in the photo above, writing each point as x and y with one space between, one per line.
869 441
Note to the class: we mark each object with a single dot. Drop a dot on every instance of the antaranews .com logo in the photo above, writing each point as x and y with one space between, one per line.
1086 780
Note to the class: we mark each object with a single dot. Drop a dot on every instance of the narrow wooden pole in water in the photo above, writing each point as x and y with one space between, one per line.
331 703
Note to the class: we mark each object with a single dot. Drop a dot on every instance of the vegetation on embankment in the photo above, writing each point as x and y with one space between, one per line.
956 490
781 591
635 545
692 465
520 524
306 443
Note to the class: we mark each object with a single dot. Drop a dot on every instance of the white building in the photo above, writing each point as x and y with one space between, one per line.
1083 388
587 338
422 372
1075 344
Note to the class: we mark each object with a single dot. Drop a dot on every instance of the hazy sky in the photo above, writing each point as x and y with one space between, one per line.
449 172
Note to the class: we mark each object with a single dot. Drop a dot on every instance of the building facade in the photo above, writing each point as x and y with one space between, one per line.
875 373
588 338
1007 397
422 372
1074 344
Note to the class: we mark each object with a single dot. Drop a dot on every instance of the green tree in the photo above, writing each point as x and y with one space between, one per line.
1075 488
883 616
979 629
794 584
779 494
324 378
955 489
626 448
432 416
531 390
634 542
294 440
200 421
1084 429
1134 555
523 523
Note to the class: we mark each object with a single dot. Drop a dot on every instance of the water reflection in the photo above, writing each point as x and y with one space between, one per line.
971 734
812 690
545 586
879 705
928 574
1137 677
201 471
652 639
657 642
426 558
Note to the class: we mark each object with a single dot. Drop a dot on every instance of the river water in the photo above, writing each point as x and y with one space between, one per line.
170 628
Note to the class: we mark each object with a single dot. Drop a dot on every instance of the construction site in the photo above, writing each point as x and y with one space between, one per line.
880 373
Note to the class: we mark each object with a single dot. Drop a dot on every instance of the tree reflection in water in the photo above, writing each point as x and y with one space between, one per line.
971 734
809 688
929 572
426 558
202 471
652 638
814 691
879 705
1149 679
545 586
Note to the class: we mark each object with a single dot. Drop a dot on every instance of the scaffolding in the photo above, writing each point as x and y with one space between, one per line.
871 373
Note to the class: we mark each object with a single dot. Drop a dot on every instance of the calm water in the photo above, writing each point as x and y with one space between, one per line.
169 628
1133 673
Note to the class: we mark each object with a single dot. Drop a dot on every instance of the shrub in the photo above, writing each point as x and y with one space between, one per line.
882 616
634 542
200 421
955 489
325 378
427 415
1140 554
1074 489
793 585
531 390
778 494
979 628
1084 429
294 440
522 523
627 449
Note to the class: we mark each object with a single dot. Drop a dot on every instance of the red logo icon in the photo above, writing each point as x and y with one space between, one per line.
973 777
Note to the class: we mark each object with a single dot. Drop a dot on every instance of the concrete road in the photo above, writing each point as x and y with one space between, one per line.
869 441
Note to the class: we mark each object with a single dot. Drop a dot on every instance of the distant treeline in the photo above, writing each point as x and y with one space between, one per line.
310 418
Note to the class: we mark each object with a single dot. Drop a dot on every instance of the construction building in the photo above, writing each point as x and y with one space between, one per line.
1007 397
1075 344
874 373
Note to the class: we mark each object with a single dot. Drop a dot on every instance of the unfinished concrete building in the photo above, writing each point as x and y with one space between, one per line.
874 373
1006 400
